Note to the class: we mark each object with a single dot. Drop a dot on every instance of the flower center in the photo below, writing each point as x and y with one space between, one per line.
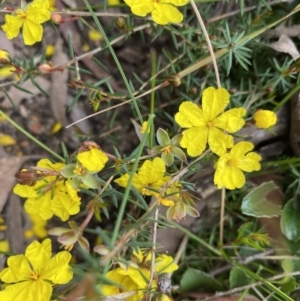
210 124
34 275
79 170
166 149
233 162
20 13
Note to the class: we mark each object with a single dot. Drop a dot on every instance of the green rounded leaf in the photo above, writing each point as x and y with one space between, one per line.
90 181
195 280
163 137
68 171
168 158
178 153
290 221
257 204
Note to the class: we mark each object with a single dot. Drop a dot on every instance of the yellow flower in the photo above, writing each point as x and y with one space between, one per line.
38 228
95 35
137 278
4 56
230 166
207 124
144 127
162 11
31 18
52 6
113 2
264 119
4 246
150 175
50 196
93 160
126 285
50 49
31 276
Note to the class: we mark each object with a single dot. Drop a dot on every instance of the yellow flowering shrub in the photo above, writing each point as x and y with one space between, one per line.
30 18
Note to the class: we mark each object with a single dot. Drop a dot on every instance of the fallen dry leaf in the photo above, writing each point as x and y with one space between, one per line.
286 45
59 86
17 95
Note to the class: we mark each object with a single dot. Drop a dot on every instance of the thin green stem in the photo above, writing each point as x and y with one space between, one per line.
152 101
129 184
42 145
196 238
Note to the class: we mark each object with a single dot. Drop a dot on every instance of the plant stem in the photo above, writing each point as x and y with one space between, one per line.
211 51
42 145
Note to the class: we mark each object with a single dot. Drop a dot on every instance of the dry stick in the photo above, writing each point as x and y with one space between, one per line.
214 62
211 51
154 233
118 105
252 285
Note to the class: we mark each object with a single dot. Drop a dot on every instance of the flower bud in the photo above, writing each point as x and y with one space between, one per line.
45 68
57 18
120 23
4 56
174 80
264 119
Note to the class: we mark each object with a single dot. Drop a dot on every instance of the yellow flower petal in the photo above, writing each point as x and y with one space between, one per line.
27 290
166 13
264 119
164 264
32 32
231 120
123 180
190 115
175 2
57 269
194 140
18 269
214 101
40 206
229 177
12 26
7 140
219 142
140 8
93 160
38 11
39 253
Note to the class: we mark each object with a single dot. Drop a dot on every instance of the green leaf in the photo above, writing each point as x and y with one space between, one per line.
167 158
195 280
290 221
90 181
237 278
162 137
256 203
